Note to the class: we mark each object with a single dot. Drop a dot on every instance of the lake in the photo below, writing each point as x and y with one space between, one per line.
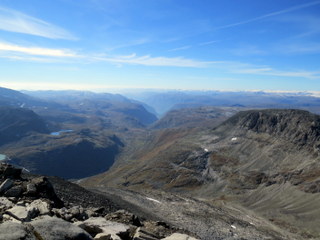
2 157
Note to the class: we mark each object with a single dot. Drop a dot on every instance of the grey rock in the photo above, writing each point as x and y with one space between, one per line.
31 189
22 213
8 218
7 184
144 235
15 191
5 203
124 217
101 229
9 171
42 206
179 236
14 231
52 228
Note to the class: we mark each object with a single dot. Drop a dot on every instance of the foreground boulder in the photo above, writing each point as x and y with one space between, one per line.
14 231
179 236
53 228
101 229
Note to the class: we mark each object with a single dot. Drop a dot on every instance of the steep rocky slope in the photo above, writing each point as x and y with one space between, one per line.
69 155
16 123
194 117
31 209
266 160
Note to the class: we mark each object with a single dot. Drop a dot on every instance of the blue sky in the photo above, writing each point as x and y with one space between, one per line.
169 44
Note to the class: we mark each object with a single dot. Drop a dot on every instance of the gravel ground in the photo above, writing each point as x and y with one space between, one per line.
203 219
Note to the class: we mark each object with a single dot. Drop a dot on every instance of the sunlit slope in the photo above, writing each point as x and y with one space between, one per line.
267 160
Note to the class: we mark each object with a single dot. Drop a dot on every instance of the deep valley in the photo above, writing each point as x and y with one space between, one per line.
220 171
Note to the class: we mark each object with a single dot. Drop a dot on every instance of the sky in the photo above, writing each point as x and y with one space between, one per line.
238 45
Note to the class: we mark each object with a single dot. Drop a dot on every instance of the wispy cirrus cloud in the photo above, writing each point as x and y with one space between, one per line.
39 54
15 21
179 48
26 53
147 60
272 14
268 71
207 43
35 51
248 50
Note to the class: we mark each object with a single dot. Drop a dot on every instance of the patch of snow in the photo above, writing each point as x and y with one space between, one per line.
61 131
206 150
22 105
153 200
234 139
233 226
25 170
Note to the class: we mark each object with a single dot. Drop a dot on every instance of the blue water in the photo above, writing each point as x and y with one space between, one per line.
61 131
2 157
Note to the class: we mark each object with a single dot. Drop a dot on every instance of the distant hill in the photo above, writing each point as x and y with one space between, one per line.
9 97
16 123
194 117
71 155
92 128
163 101
113 109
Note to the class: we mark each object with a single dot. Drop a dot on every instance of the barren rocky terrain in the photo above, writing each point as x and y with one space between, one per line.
261 160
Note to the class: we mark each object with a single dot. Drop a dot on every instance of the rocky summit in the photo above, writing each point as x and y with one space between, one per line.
30 209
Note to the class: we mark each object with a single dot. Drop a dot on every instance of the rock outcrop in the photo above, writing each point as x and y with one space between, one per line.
30 209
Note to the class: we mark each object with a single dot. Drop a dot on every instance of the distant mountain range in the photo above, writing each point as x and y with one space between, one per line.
163 101
225 151
93 123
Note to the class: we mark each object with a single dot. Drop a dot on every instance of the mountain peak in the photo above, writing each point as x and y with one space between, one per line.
298 126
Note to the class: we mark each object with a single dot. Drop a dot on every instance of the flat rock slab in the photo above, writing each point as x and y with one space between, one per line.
5 203
102 228
22 213
179 236
52 228
14 231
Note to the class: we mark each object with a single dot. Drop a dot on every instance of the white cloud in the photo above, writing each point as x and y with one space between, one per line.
248 50
14 21
155 61
179 48
35 51
38 54
207 43
23 53
267 71
287 10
